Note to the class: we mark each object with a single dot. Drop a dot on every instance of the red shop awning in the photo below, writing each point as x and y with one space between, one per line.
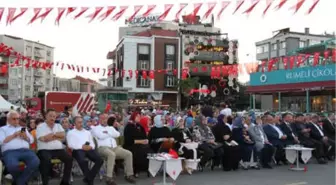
291 87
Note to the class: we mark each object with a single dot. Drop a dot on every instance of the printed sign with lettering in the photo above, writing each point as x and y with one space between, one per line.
143 21
298 75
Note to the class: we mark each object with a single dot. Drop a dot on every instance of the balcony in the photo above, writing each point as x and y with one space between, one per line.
3 81
38 74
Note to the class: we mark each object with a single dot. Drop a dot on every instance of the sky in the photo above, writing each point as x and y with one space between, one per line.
87 44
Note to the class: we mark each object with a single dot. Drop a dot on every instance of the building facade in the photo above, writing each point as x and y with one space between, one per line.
25 82
153 49
305 88
285 41
88 85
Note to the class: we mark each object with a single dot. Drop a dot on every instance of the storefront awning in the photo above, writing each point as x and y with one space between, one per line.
291 87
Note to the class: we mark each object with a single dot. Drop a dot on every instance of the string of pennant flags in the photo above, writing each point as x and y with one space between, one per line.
27 62
11 14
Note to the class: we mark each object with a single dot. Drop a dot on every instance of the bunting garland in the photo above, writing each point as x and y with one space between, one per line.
102 13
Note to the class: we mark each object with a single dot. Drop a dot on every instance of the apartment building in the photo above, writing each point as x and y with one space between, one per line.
286 41
21 82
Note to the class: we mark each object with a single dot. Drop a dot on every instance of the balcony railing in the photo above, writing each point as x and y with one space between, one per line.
38 83
38 73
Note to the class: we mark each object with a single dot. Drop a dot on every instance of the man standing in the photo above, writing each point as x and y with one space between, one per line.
49 145
82 145
15 142
107 147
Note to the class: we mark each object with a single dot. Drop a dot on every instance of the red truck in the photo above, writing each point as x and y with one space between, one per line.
80 102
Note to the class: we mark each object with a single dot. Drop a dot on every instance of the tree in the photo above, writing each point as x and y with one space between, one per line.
186 85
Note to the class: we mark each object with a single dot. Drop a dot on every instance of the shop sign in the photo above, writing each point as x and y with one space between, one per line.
298 75
143 21
143 102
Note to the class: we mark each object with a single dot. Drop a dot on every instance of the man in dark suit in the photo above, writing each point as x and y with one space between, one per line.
318 134
303 132
276 137
286 128
329 126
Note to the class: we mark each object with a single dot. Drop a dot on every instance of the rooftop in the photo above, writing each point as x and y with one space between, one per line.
157 32
19 38
85 80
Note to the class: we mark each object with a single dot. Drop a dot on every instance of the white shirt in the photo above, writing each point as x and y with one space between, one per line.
230 126
226 112
105 139
261 134
43 130
319 129
16 143
77 138
278 130
288 125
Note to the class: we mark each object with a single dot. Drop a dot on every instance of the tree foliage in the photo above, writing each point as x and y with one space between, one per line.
187 84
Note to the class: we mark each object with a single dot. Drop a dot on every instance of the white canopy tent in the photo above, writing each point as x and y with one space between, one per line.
6 106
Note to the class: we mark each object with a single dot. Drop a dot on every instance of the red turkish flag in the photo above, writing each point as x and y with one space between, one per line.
137 9
316 58
2 10
70 10
130 73
291 62
144 74
297 6
120 13
285 62
182 6
225 4
167 8
238 5
61 11
151 74
95 13
333 55
281 3
10 15
45 14
211 7
299 61
310 9
268 5
82 11
23 10
250 9
149 10
4 68
37 11
108 12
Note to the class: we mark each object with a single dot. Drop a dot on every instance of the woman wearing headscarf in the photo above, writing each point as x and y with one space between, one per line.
136 141
159 136
223 135
181 136
208 148
145 122
247 146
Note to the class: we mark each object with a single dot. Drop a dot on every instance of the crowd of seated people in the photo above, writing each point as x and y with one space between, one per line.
226 140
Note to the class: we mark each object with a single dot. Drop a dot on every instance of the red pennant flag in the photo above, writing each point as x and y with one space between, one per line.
27 65
285 62
104 71
95 13
151 74
182 6
69 66
62 66
309 10
297 6
225 4
109 73
144 75
268 5
4 68
78 70
70 10
238 5
167 8
61 11
45 14
282 2
2 10
299 61
316 58
291 62
123 73
82 11
23 10
326 55
10 15
16 62
120 13
211 6
250 9
37 11
333 55
197 7
137 9
108 12
82 69
149 10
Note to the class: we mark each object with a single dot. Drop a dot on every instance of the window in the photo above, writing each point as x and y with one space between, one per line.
266 48
143 65
274 46
143 82
143 49
170 81
170 65
302 44
283 44
14 82
259 49
27 88
313 42
170 49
